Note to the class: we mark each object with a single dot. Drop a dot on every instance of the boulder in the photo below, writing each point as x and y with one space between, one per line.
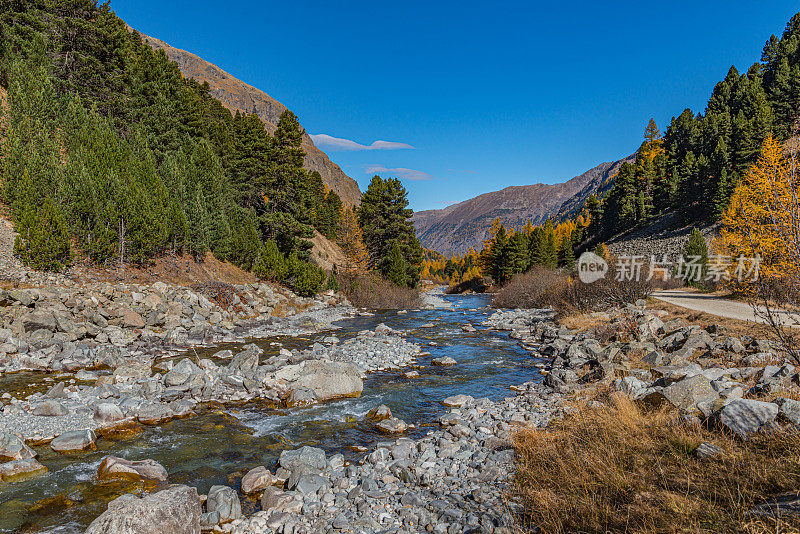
17 469
256 480
39 320
112 468
57 392
379 413
77 440
684 394
300 397
310 456
789 410
155 414
630 386
275 499
50 408
328 380
225 502
443 361
744 417
383 329
246 361
175 510
391 426
12 447
131 319
457 401
107 412
182 373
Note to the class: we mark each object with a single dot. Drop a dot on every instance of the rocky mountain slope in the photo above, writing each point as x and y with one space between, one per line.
458 227
237 95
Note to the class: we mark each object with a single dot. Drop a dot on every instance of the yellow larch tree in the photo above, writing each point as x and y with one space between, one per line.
351 241
763 217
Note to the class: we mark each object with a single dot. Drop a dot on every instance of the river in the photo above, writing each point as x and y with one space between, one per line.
221 443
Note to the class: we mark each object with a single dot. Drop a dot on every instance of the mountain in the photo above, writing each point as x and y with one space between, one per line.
237 95
456 228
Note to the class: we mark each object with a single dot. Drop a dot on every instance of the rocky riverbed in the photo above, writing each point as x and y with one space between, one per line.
72 418
359 429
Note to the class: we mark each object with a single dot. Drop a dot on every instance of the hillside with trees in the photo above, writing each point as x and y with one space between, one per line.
110 154
693 168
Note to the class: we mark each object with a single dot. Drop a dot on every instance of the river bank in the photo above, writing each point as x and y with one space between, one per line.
390 441
215 444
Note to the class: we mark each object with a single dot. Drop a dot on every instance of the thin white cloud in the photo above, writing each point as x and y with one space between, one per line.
337 143
400 172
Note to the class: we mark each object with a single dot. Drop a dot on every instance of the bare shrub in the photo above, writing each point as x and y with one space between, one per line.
372 291
548 288
533 289
619 469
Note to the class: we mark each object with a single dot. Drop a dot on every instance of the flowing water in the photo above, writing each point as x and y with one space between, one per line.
221 443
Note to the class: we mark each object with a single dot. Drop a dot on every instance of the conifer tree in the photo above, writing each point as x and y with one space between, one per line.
697 249
566 253
199 225
395 270
385 219
271 264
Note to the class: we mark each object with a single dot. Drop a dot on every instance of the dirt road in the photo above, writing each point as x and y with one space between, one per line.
717 305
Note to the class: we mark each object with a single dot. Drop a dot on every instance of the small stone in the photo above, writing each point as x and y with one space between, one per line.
707 450
341 522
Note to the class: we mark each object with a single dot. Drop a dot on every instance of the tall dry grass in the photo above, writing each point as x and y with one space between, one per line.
372 291
620 469
560 290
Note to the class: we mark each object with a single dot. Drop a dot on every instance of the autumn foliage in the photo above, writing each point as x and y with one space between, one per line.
763 220
764 215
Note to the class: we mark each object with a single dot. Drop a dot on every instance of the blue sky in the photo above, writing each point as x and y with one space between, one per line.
471 97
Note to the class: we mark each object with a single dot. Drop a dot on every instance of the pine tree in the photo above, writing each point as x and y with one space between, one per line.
566 253
395 270
333 281
271 264
385 219
199 225
43 242
697 249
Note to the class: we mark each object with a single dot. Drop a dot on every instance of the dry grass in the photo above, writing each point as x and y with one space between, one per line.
731 327
619 469
534 289
547 288
374 292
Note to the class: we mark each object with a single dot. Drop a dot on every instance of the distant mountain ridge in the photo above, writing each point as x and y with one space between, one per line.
237 95
456 228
